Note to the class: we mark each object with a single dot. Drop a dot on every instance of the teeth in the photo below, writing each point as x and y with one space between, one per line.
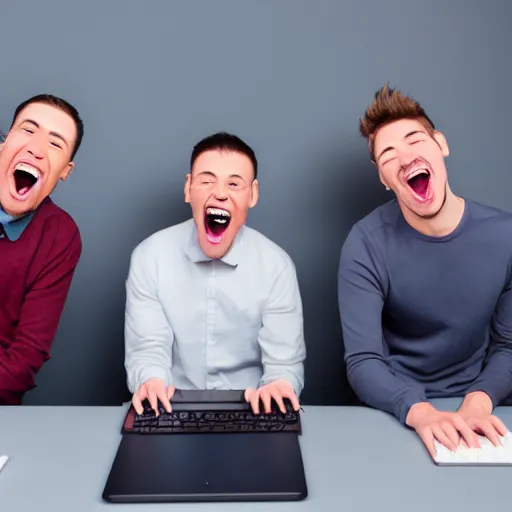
220 221
28 168
218 211
416 172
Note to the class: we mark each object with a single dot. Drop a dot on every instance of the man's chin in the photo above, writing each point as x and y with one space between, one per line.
16 208
215 247
427 209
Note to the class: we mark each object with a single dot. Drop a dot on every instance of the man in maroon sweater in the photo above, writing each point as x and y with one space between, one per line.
40 244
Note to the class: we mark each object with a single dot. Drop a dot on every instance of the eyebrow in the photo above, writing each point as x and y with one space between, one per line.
210 173
389 148
54 134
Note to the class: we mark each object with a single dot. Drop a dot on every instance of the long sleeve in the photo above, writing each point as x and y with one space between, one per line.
42 306
362 283
496 377
148 336
281 337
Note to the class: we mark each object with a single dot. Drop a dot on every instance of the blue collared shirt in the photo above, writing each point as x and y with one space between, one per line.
13 226
199 323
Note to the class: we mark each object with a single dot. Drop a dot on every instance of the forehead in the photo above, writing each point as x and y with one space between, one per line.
49 118
395 131
224 164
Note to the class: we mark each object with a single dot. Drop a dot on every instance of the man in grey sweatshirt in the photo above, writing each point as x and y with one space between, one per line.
424 287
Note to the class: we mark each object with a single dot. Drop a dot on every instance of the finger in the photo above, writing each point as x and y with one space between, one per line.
266 398
442 436
170 393
137 403
248 393
489 431
161 394
466 432
290 394
499 425
153 401
276 395
255 402
427 437
452 433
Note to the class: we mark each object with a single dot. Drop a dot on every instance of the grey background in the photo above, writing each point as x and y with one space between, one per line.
290 77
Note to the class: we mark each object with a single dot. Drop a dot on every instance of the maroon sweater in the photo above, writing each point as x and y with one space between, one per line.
35 275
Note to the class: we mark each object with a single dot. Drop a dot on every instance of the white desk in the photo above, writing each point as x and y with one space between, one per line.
356 459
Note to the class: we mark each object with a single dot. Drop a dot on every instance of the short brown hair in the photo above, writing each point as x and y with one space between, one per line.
54 101
391 105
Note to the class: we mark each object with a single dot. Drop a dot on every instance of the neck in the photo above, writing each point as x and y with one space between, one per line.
444 223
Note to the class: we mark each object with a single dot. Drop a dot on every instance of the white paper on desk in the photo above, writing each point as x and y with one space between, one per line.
3 461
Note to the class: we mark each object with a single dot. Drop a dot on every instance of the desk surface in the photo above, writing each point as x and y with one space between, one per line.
356 459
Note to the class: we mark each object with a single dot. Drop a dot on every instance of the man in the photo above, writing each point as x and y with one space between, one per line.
40 245
212 303
425 287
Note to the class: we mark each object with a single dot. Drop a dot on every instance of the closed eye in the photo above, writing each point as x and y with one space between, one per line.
28 131
56 145
389 160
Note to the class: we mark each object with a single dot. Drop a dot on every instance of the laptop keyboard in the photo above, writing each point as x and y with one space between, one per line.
215 421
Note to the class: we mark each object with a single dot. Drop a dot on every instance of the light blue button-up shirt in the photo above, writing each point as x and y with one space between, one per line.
13 226
199 323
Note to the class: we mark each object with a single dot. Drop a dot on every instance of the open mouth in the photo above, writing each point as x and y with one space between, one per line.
216 221
25 177
419 182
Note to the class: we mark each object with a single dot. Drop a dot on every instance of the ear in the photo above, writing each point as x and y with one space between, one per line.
441 141
255 193
67 170
383 181
188 179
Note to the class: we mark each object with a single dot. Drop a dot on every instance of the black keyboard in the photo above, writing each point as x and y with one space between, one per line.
214 418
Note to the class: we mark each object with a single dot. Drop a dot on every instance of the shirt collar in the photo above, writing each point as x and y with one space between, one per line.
13 227
196 254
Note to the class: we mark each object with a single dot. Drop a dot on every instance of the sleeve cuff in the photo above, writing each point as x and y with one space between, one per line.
495 401
290 378
403 407
149 372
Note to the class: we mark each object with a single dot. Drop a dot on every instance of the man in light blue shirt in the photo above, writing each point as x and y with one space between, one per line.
212 303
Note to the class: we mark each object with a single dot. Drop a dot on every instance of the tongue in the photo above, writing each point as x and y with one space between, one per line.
24 182
213 239
214 235
420 184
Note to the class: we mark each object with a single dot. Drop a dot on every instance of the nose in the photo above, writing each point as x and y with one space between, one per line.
407 157
220 191
36 147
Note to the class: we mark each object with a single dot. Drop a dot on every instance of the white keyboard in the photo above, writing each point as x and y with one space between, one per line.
487 454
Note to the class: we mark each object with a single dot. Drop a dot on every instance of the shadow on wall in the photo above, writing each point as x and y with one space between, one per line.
348 192
167 210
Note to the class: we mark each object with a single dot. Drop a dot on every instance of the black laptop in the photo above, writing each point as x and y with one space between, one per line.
210 448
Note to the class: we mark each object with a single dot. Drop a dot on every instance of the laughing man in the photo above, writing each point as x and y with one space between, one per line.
424 289
212 303
40 244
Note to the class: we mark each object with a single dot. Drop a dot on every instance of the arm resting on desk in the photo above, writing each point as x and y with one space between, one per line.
496 377
281 337
362 283
148 336
48 287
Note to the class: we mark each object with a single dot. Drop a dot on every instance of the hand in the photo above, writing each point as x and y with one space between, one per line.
153 390
476 410
445 427
276 390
